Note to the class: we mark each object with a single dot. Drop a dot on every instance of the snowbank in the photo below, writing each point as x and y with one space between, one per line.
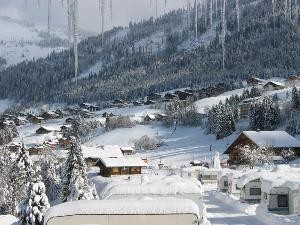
151 185
232 201
145 205
8 220
274 219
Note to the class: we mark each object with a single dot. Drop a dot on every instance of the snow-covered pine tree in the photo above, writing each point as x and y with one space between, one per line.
5 194
293 123
75 185
33 208
295 99
20 176
51 175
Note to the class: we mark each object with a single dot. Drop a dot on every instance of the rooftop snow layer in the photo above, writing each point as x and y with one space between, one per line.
152 185
283 176
105 151
277 139
145 205
123 162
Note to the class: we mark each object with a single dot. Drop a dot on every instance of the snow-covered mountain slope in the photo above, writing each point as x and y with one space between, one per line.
21 40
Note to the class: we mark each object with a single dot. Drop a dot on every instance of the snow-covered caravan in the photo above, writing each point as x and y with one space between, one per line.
155 186
144 211
281 191
223 183
209 175
250 185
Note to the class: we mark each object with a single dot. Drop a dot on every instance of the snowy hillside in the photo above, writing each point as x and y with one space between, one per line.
21 40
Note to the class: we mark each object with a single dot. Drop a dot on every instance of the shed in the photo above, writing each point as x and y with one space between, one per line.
277 140
36 119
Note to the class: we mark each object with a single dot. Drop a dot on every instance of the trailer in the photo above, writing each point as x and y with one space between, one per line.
145 211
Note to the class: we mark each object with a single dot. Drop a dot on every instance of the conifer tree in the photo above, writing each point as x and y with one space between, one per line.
75 185
34 207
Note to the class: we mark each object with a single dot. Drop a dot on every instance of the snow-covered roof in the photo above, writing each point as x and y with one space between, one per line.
105 151
145 205
152 185
275 83
126 149
123 162
276 139
283 176
251 176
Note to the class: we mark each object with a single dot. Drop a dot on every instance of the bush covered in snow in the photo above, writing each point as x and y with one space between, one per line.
251 155
119 122
147 143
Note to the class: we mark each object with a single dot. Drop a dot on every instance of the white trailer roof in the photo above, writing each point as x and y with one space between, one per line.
152 185
131 206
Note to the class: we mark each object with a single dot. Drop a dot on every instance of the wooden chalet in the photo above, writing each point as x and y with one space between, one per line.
37 119
254 81
275 140
127 150
90 107
14 147
293 80
149 118
119 101
106 114
273 85
137 103
161 117
245 106
69 120
19 121
182 95
37 150
43 130
120 166
170 96
150 102
65 143
50 115
154 96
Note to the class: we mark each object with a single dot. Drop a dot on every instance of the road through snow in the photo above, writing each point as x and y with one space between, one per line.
219 213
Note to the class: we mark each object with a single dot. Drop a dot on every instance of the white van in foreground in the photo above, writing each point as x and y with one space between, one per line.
144 211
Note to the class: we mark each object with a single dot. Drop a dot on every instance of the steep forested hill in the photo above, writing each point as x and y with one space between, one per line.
164 54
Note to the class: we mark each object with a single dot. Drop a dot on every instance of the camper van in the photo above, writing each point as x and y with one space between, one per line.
146 211
223 184
209 176
251 191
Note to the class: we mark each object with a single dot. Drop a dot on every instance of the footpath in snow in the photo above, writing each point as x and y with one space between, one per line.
220 213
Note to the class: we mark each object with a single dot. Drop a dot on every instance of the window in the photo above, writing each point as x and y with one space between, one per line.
282 201
255 191
237 188
225 183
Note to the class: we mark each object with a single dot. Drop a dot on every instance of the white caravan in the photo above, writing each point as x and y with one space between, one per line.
146 211
281 191
250 185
